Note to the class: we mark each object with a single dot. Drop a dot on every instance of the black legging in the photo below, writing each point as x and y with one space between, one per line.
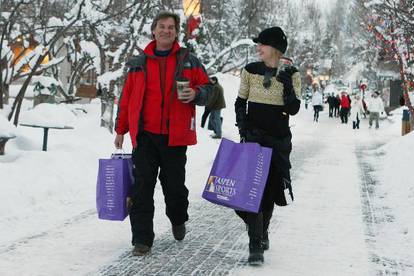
316 109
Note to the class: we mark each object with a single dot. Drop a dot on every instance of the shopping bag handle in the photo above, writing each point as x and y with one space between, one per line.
119 153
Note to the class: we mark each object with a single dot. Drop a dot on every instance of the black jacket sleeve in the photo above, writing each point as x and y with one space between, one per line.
241 115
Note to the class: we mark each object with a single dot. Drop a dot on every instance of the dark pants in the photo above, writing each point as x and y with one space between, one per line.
374 116
258 224
356 122
152 154
316 109
344 115
215 121
336 111
331 110
204 116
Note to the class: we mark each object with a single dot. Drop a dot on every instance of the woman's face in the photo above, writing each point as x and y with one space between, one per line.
266 52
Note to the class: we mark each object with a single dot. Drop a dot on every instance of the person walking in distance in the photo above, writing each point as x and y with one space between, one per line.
345 107
337 104
317 102
357 111
375 107
157 108
331 103
215 104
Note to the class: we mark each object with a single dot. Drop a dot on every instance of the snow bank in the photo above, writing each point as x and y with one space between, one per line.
7 129
48 115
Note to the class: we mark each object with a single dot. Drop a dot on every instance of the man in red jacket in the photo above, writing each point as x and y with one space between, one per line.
345 107
161 126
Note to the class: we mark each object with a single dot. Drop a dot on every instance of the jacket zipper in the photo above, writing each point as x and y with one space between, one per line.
162 100
162 109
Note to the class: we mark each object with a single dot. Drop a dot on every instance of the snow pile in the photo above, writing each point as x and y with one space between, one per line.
397 176
48 115
43 189
394 191
7 129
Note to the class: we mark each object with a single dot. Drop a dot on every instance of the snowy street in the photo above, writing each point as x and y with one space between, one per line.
334 227
121 122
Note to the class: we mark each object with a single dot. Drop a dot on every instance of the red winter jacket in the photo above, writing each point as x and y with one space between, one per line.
162 108
345 102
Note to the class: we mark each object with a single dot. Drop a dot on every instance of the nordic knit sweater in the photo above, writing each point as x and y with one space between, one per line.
266 109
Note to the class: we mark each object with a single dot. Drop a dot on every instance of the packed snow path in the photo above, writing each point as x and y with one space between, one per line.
216 242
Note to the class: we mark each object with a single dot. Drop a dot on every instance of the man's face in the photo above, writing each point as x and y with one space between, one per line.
165 33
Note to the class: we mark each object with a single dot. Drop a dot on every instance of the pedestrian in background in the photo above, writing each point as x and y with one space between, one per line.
345 107
357 111
337 104
317 102
331 103
215 104
375 107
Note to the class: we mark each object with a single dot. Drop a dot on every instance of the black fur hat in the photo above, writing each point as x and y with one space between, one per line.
274 37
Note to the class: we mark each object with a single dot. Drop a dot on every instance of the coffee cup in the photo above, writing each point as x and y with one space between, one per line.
284 63
182 84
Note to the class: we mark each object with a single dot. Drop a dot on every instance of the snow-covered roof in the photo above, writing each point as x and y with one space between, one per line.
45 81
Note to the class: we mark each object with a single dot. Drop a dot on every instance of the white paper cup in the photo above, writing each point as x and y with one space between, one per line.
182 84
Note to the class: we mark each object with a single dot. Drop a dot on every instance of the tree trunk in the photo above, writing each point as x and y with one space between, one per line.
6 94
107 109
3 142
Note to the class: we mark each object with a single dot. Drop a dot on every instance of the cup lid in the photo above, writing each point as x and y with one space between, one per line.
181 79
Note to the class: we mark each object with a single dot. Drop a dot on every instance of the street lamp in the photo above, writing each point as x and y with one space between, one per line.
192 7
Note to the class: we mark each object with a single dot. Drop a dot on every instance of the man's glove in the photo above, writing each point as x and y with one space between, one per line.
285 77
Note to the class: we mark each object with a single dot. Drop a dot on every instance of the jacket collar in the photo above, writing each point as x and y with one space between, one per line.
149 50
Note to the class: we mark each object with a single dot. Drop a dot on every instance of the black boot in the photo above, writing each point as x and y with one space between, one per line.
255 231
179 231
255 252
265 241
267 215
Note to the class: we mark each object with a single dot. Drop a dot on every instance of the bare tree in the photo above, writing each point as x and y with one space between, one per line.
390 27
46 32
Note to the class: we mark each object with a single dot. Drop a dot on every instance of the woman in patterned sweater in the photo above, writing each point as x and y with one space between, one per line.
267 97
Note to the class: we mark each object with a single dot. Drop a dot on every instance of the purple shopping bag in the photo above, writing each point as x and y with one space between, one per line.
238 177
114 181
